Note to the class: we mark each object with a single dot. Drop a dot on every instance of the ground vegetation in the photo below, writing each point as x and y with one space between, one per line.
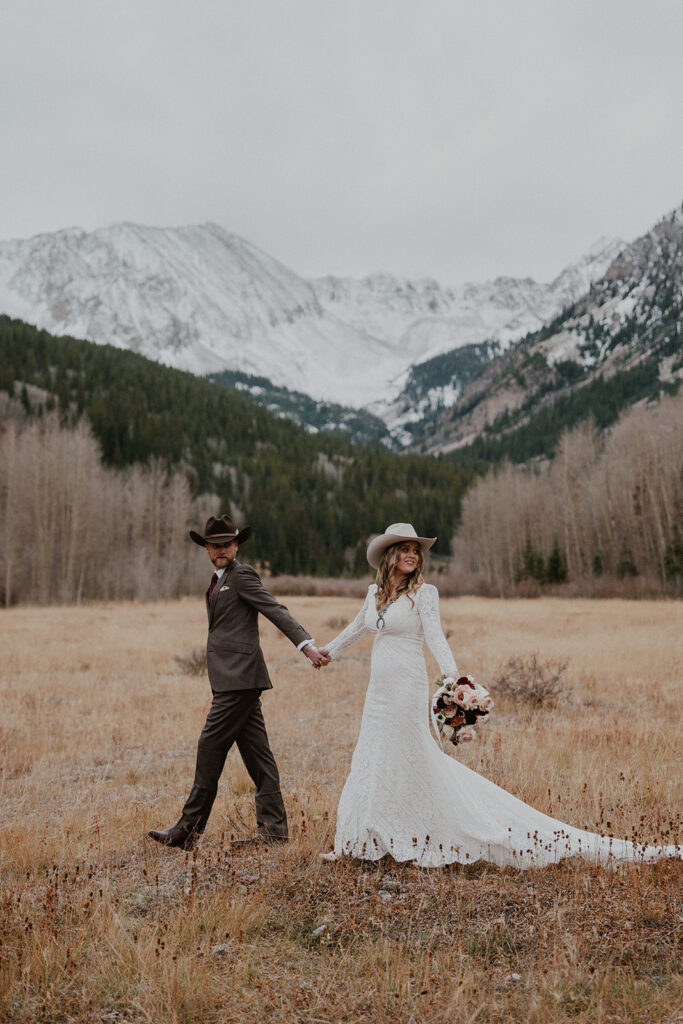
97 744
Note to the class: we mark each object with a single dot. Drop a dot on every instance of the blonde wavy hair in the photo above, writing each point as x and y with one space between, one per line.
387 587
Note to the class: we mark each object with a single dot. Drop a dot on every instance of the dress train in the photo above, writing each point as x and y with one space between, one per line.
405 797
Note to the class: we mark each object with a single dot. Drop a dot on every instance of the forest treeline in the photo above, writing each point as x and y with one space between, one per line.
534 430
106 459
606 506
313 500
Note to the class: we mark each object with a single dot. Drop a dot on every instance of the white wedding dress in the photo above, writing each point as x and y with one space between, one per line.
404 796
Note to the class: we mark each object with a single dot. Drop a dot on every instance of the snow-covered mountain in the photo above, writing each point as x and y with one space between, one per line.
423 319
203 299
621 342
197 298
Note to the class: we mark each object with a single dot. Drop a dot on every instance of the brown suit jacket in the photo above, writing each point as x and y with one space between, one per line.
233 653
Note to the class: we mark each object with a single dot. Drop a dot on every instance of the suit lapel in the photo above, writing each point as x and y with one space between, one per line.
223 581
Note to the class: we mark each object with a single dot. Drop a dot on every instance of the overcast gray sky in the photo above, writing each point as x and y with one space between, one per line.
458 139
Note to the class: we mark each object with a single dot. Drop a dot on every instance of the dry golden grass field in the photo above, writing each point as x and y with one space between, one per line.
97 742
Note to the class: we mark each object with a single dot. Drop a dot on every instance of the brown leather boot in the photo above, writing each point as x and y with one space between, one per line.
176 836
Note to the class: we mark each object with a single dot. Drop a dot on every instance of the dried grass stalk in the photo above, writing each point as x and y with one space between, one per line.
193 663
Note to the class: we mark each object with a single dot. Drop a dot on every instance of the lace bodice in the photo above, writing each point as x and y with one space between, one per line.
424 623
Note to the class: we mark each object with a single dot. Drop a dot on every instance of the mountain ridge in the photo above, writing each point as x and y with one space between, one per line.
204 299
621 343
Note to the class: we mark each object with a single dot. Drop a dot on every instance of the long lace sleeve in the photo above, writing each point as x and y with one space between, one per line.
428 608
353 631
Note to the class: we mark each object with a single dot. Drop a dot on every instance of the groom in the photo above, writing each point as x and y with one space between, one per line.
237 674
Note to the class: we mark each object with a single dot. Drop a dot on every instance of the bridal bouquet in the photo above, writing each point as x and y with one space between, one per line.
457 705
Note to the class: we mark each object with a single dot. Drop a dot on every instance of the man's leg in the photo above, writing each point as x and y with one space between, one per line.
254 747
224 724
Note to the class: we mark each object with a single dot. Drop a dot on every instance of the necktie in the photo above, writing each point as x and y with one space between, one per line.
212 585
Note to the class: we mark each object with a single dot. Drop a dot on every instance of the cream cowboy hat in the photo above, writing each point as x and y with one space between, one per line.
394 534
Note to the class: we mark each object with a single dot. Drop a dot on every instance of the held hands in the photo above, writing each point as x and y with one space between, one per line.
318 658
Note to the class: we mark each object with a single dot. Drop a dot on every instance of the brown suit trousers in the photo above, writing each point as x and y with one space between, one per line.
235 716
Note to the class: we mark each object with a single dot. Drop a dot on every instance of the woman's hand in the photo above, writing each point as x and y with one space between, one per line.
316 657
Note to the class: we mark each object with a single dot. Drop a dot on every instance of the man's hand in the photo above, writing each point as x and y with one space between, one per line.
316 657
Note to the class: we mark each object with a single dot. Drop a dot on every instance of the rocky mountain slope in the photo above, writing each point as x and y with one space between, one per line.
618 344
202 299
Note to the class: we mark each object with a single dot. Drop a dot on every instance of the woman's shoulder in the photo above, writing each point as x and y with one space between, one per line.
427 591
372 589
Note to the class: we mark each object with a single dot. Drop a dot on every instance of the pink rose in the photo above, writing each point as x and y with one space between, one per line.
467 735
484 701
466 698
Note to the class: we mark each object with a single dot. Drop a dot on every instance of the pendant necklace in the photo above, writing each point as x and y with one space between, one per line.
380 614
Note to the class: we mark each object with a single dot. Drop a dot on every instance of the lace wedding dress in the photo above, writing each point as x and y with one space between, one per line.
407 798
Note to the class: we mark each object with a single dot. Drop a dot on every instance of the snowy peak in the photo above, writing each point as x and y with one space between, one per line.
203 299
617 344
198 298
640 292
576 279
144 286
422 319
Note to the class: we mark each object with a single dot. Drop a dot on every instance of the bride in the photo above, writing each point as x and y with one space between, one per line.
404 796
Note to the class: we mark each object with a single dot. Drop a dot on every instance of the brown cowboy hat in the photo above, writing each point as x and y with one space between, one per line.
220 530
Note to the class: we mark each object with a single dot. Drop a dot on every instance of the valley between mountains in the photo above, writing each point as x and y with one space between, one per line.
411 363
596 382
202 299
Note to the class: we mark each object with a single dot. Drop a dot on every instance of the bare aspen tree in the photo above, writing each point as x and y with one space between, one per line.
614 503
74 530
8 504
83 464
